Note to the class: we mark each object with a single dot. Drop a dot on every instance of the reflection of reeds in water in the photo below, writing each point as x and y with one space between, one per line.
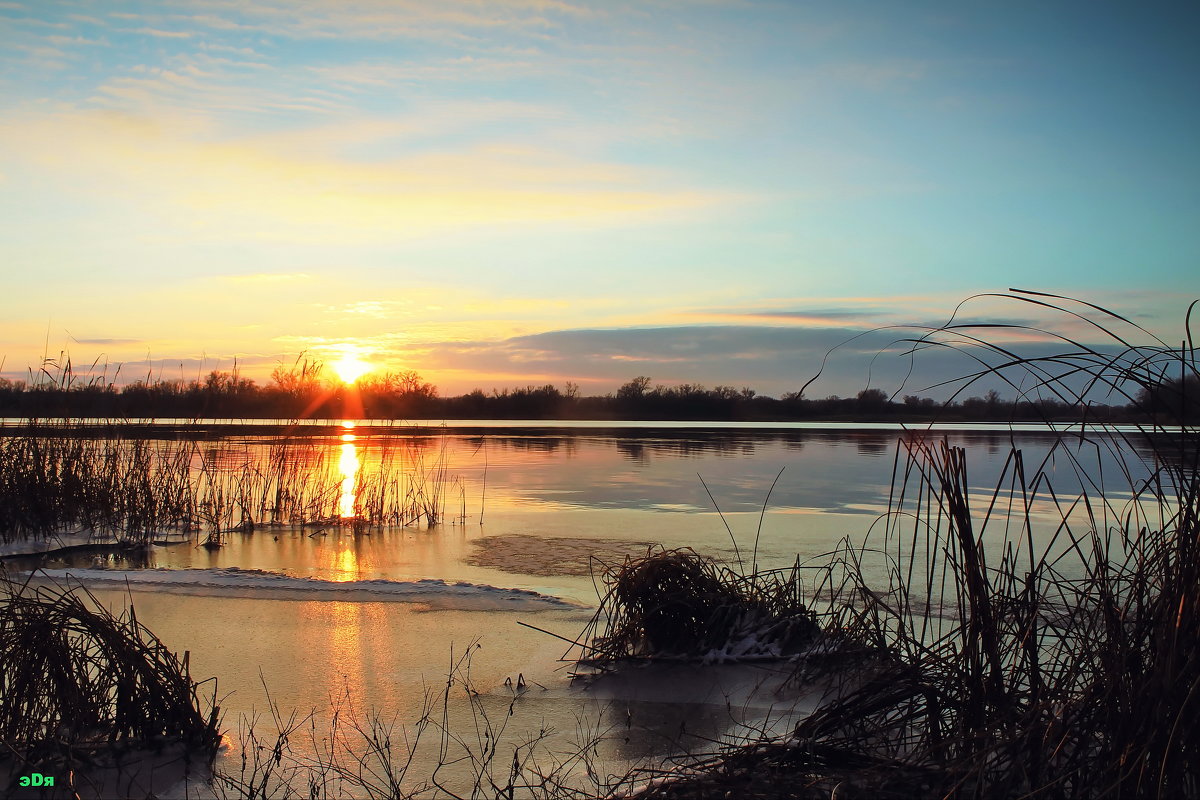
1066 662
402 487
136 490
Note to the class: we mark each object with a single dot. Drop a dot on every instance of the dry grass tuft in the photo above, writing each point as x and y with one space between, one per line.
677 604
79 684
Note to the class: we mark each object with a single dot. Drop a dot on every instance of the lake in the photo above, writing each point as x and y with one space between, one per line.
376 618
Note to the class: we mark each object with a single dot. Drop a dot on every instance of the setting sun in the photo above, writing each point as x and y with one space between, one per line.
350 368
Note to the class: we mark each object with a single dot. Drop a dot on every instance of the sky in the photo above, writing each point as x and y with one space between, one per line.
511 192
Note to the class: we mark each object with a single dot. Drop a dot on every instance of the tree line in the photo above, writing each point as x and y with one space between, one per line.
303 390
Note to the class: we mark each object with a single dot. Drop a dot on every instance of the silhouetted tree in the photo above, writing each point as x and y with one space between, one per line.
634 389
872 399
1176 400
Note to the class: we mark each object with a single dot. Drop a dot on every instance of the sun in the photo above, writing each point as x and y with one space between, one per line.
350 368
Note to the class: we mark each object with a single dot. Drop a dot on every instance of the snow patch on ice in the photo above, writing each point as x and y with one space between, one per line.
235 582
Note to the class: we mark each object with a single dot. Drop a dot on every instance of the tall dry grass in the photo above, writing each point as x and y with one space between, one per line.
131 490
1041 640
80 685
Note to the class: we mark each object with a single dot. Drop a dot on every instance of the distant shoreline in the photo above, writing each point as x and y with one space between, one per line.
219 427
300 393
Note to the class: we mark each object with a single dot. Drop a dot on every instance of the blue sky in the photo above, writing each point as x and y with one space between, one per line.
522 191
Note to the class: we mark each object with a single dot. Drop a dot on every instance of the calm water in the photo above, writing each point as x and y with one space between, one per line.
528 507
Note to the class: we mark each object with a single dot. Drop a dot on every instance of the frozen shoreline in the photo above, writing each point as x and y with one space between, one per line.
434 594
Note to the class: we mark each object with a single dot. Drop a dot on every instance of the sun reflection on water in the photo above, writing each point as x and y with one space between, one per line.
348 465
345 566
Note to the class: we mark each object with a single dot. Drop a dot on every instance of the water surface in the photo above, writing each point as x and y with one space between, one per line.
534 508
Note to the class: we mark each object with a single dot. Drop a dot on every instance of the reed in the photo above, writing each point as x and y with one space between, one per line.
80 684
124 490
1041 640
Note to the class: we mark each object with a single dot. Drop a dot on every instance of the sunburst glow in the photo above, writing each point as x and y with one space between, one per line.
350 368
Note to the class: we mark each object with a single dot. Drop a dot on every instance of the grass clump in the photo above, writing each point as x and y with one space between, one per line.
677 604
80 685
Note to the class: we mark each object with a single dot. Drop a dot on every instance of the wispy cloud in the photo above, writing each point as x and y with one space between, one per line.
374 75
109 341
250 189
812 317
39 51
75 41
451 20
160 34
201 84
